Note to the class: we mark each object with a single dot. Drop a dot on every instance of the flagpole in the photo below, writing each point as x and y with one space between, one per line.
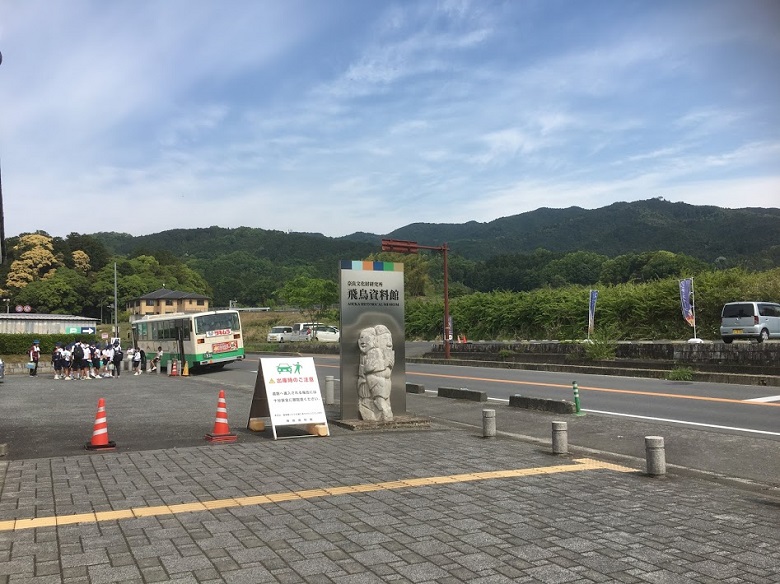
693 309
588 317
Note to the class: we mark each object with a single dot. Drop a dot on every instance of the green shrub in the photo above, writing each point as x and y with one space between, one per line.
602 345
680 374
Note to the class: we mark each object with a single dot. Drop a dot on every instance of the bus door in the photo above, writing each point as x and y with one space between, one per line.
180 338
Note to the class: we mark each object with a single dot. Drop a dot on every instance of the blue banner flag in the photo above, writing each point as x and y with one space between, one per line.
594 294
686 301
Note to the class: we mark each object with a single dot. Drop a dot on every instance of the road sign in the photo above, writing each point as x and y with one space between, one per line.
87 330
72 330
27 308
19 308
103 335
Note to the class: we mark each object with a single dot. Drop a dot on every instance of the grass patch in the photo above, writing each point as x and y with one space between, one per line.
680 374
602 345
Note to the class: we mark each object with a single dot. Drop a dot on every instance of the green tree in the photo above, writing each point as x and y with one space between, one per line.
35 260
240 276
65 292
580 267
417 268
88 244
312 296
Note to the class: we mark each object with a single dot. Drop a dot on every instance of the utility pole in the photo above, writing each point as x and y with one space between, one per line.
2 215
116 307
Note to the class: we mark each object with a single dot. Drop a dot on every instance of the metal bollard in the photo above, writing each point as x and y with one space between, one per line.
656 455
329 390
560 438
488 423
576 397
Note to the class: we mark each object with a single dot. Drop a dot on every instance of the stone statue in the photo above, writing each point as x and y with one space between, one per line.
376 367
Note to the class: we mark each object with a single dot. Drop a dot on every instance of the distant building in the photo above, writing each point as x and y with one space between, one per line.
164 301
46 324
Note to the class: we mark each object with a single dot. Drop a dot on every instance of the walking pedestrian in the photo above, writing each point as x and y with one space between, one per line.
136 361
35 355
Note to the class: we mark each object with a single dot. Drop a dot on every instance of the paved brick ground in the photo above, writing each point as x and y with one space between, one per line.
590 525
553 521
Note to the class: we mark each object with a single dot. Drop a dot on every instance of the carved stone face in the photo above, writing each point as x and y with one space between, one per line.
366 340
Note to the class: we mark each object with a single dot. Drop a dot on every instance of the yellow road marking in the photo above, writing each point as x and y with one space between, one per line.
601 389
580 464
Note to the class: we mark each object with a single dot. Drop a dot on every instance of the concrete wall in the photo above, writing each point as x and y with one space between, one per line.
738 353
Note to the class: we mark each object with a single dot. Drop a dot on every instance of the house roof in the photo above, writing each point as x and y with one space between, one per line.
165 294
40 316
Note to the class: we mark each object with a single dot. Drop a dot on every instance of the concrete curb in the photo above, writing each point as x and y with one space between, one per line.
741 379
463 393
415 388
543 404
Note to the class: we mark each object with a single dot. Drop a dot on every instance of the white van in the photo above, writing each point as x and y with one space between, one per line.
302 331
750 320
279 334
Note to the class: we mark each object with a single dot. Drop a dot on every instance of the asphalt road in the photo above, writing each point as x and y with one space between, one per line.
716 433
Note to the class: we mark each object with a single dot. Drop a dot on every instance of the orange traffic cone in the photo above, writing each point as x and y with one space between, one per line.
221 432
174 370
185 370
100 431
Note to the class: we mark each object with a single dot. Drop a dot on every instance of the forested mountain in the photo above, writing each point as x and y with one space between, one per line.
703 232
639 242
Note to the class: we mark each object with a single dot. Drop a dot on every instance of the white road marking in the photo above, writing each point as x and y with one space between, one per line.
763 400
750 430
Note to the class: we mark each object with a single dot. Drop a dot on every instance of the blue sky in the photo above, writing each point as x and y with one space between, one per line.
336 116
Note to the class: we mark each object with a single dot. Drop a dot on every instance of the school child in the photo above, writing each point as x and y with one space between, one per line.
56 361
77 358
117 359
65 357
107 356
136 361
35 355
157 358
95 363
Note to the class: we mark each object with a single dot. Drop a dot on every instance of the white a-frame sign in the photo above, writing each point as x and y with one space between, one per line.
288 392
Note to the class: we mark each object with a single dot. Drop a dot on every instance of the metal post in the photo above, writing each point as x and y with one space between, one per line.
488 423
329 390
560 438
655 455
576 397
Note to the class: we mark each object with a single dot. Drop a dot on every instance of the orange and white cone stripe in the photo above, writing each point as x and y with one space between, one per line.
221 432
100 430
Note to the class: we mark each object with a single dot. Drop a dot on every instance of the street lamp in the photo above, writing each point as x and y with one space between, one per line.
401 246
7 305
2 217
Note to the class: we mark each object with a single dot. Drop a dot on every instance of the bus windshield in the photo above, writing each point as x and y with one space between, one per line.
217 322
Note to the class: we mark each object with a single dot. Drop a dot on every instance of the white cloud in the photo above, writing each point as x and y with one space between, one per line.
368 116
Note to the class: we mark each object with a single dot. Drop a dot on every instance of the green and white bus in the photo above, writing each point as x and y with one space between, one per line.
205 340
